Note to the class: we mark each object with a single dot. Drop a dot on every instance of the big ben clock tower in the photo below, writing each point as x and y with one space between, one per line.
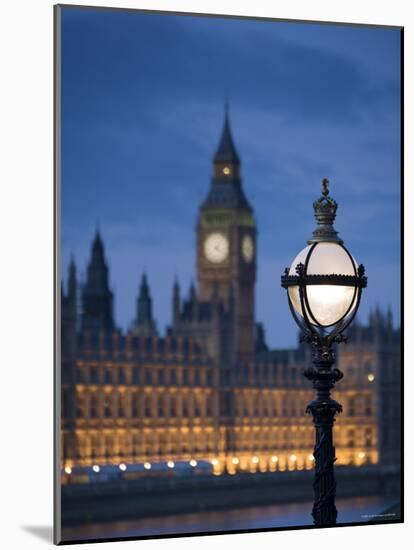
226 244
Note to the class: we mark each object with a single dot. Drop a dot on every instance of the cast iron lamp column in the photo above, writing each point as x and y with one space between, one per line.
324 286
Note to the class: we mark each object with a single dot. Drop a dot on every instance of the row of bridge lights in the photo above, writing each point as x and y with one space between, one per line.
193 463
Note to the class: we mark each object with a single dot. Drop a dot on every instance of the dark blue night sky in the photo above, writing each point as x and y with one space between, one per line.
142 111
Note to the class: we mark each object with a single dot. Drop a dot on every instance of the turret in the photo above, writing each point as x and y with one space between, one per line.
97 298
144 323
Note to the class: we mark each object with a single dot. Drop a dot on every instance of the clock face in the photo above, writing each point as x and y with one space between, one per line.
216 248
248 248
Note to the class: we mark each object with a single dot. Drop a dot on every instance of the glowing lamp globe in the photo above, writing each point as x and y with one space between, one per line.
326 304
324 281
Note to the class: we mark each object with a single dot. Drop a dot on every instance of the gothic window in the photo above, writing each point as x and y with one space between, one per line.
121 405
368 407
196 377
160 408
197 406
185 407
186 377
148 376
108 376
368 437
136 375
173 407
122 376
107 406
173 376
135 405
161 376
147 406
209 377
80 407
285 405
94 406
246 409
94 375
228 403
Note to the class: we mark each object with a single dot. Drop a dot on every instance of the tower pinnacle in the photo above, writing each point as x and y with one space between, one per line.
226 151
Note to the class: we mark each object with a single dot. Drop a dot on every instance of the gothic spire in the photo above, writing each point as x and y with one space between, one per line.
144 322
144 288
226 151
97 297
97 256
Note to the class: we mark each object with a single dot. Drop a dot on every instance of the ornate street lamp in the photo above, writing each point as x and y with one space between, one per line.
324 286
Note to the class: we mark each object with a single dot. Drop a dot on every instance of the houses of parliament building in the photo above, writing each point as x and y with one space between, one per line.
211 389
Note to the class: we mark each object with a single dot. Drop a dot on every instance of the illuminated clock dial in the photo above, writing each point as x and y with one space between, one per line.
216 248
227 170
248 248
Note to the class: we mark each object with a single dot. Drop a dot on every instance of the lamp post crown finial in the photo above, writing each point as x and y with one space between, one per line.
325 212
